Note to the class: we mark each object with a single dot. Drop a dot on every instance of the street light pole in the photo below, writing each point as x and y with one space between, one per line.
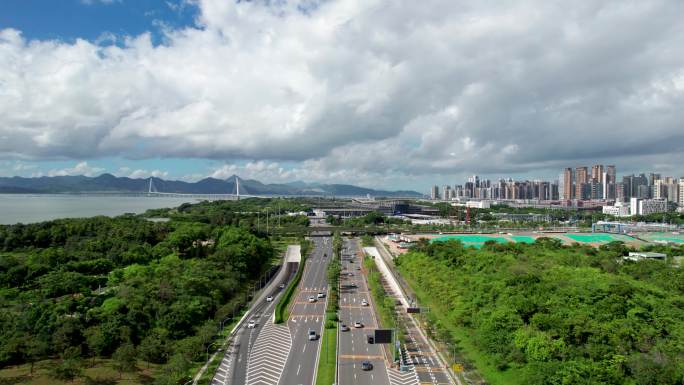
223 322
208 346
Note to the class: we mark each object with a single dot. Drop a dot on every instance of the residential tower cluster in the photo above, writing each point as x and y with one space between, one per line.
576 187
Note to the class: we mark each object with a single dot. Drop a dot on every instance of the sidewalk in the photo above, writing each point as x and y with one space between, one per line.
384 259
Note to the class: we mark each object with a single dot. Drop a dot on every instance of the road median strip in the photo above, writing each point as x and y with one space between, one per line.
327 362
282 308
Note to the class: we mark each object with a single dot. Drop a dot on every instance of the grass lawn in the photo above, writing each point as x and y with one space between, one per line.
280 244
328 358
102 373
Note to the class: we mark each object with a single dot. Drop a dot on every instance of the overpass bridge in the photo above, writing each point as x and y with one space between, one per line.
326 231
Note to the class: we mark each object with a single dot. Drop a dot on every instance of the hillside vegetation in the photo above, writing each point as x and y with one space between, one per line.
126 288
551 314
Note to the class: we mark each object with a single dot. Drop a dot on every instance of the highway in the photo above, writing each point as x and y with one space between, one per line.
235 365
303 359
353 345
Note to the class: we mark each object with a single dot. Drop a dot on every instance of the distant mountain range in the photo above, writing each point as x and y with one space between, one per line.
111 184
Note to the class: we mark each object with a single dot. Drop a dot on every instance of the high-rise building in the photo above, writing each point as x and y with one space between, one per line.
581 183
620 195
458 191
672 192
681 192
659 189
434 193
568 190
597 173
633 186
652 177
475 180
596 189
446 192
609 181
610 170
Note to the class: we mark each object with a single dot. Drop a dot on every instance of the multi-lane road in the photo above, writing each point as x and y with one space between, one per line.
353 344
234 366
356 306
271 354
305 315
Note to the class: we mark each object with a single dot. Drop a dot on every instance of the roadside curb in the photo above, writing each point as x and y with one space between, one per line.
440 357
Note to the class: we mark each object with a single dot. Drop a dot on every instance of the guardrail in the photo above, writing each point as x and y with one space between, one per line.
255 300
282 305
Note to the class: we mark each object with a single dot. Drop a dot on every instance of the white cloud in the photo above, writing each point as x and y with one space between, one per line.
260 170
20 167
367 90
140 173
81 168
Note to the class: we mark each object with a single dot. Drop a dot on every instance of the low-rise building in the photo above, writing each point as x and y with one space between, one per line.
641 255
617 210
531 217
647 206
483 204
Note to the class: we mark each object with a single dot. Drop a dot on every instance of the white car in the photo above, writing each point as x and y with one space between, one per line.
364 302
312 299
320 295
269 298
312 335
251 324
358 325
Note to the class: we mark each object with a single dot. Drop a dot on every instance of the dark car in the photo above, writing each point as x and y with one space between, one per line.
366 365
370 339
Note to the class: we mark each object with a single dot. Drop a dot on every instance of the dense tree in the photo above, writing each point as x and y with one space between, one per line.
110 286
70 366
554 314
124 359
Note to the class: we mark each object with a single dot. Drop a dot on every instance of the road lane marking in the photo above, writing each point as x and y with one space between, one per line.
366 357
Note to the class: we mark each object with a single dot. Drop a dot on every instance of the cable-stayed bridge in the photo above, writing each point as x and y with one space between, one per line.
236 194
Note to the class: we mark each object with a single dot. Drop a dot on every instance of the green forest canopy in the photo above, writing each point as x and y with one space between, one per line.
90 287
551 314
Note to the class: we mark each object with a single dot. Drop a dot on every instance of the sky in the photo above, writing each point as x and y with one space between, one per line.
382 93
